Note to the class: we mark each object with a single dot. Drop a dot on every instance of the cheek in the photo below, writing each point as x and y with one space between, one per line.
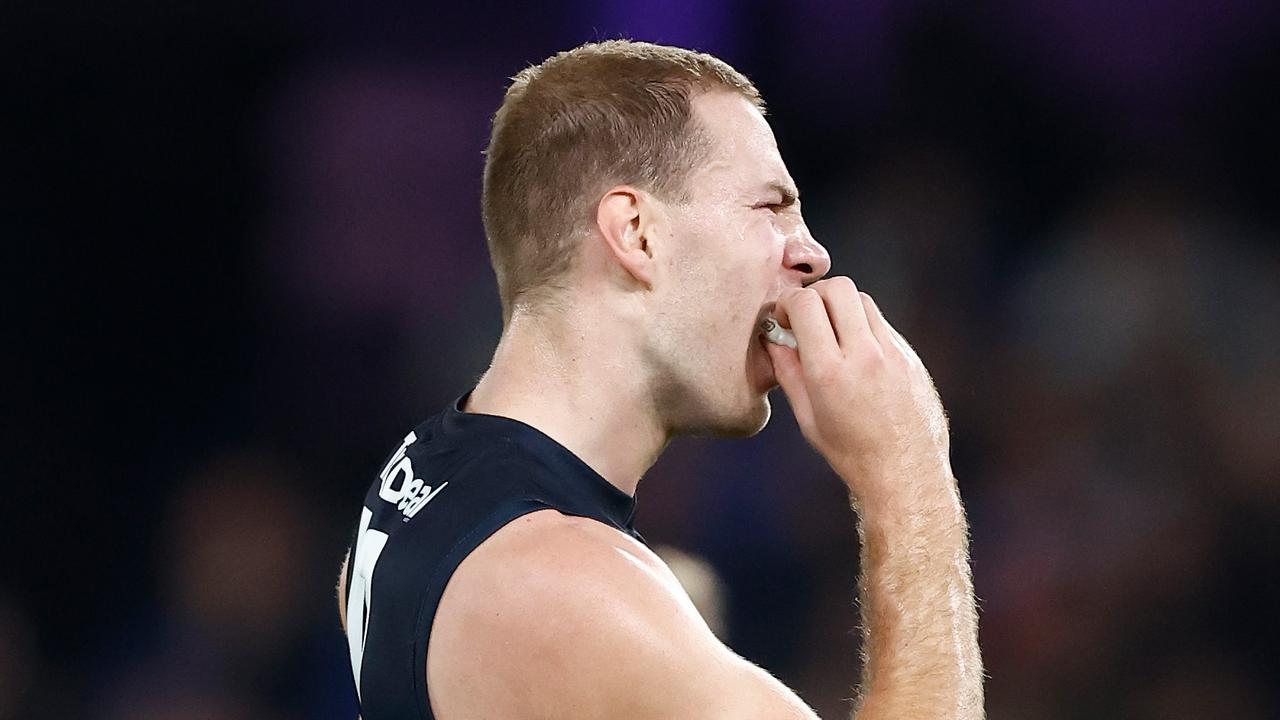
726 269
751 266
768 243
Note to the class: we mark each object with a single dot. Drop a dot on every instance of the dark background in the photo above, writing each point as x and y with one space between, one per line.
243 255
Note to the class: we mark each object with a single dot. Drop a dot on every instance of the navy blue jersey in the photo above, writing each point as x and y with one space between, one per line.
453 482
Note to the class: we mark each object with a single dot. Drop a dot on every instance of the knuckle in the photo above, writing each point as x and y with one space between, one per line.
871 360
806 298
908 353
830 288
843 282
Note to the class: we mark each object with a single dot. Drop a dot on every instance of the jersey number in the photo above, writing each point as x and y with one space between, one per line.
369 544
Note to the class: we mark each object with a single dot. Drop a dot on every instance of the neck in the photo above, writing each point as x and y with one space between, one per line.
571 378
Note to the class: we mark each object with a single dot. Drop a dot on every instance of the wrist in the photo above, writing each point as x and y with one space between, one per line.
878 481
919 503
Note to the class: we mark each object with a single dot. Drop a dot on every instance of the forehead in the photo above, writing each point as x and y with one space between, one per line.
744 152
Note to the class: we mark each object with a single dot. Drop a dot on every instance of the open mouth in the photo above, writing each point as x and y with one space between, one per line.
768 328
766 312
774 332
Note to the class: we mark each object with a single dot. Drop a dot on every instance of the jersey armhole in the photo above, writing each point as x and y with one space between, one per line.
429 604
349 563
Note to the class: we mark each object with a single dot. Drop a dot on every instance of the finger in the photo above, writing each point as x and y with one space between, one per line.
805 312
786 368
887 336
844 307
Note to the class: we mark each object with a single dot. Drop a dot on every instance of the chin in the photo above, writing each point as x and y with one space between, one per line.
747 421
706 408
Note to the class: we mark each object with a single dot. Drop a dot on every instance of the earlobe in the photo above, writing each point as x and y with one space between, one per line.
624 219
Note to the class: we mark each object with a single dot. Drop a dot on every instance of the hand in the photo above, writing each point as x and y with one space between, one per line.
860 393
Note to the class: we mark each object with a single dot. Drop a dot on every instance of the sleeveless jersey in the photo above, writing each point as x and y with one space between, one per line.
453 482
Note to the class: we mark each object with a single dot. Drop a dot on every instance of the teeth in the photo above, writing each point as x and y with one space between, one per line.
776 334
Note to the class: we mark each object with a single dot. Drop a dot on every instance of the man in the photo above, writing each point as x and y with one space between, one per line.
642 225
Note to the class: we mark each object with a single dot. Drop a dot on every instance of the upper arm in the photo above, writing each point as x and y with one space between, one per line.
342 592
564 617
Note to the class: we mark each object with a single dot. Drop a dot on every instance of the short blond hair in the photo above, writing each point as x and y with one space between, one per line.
578 123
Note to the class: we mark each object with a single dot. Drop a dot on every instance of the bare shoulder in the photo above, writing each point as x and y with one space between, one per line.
534 600
558 616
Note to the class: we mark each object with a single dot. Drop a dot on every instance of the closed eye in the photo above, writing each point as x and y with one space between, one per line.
786 198
776 207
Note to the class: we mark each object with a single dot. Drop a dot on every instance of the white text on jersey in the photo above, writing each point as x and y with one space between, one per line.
412 493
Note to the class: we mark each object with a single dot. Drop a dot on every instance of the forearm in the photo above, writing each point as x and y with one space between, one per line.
920 637
865 401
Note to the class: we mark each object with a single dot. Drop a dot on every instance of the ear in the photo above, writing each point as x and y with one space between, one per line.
625 219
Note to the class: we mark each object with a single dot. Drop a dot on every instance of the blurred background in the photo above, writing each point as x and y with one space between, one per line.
244 255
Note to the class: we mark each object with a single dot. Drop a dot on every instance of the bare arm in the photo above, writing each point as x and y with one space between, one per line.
865 401
563 617
920 644
341 592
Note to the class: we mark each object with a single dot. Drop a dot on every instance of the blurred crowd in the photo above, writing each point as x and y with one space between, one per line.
1070 212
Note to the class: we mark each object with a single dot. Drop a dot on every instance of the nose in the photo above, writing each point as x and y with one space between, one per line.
804 256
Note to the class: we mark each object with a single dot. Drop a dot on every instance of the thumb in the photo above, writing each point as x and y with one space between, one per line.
786 368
